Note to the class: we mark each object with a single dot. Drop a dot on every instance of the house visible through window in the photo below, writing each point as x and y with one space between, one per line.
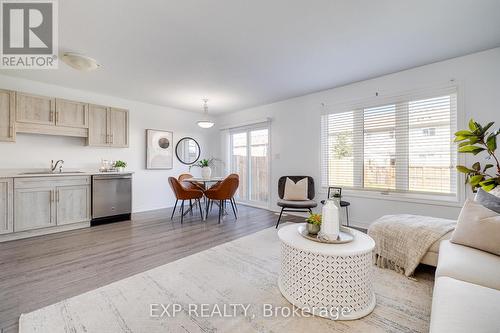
405 146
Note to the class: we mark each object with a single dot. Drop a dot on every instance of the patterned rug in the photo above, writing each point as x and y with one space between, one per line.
228 288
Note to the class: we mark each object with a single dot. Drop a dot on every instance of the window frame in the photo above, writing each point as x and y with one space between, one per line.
357 107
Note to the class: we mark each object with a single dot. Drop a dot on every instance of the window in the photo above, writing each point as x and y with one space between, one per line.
404 146
250 159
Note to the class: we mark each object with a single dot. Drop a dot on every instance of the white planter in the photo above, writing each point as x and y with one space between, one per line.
120 169
206 172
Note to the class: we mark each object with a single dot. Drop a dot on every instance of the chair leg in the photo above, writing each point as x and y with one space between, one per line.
182 212
191 207
211 204
173 211
279 218
220 209
347 214
201 210
207 206
234 202
234 210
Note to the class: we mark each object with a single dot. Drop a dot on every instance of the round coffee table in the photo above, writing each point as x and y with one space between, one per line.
328 280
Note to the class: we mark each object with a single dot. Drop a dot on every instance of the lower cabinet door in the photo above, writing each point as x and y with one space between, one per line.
73 204
6 223
34 209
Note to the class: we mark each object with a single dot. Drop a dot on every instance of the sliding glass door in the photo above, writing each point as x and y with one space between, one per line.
250 160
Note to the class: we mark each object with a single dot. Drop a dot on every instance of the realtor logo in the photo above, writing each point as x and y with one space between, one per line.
29 34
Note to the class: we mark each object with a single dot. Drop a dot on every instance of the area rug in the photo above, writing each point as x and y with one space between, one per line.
228 288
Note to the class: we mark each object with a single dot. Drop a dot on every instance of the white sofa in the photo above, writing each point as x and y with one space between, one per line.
466 291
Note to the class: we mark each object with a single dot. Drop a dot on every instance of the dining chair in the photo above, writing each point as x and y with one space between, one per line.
183 193
298 204
223 191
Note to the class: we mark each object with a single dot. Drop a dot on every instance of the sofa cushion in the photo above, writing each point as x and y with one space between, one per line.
297 204
478 227
488 200
468 264
459 306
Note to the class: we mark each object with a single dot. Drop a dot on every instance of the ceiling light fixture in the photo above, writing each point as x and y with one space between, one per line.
206 123
80 62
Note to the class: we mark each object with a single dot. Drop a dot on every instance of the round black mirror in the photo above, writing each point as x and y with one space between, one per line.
187 150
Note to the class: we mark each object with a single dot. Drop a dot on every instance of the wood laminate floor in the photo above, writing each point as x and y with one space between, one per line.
39 271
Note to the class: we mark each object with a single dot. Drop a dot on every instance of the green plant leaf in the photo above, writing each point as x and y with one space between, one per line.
488 181
487 166
487 127
491 143
465 143
464 133
475 180
476 166
471 149
488 188
472 125
464 169
473 140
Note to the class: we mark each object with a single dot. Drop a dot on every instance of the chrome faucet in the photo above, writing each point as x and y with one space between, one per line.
54 166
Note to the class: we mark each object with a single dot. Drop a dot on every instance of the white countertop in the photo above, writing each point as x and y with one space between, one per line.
21 173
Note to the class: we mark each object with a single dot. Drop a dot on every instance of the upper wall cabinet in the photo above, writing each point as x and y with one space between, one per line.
7 115
27 113
108 127
34 109
45 115
71 114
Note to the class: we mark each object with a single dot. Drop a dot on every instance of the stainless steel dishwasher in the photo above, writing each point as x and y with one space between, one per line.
111 198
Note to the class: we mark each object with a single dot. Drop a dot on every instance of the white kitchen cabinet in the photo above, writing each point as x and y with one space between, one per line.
73 204
108 127
7 115
6 206
34 208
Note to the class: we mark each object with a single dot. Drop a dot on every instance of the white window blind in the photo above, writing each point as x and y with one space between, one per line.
403 145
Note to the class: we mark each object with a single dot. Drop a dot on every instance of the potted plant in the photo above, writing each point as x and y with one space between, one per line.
120 165
205 165
313 223
475 140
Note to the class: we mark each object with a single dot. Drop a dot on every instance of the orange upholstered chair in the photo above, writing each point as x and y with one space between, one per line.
223 191
183 193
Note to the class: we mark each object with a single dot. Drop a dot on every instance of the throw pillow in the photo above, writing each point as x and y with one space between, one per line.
295 191
478 227
488 200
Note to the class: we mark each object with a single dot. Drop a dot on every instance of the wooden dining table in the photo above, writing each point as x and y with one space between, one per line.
207 183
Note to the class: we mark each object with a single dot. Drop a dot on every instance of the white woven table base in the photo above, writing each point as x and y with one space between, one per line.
315 282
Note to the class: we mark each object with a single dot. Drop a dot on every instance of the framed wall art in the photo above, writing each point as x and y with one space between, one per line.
159 149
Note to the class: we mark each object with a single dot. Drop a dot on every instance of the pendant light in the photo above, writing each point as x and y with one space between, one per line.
207 123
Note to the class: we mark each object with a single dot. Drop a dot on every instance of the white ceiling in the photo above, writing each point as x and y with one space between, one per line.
243 53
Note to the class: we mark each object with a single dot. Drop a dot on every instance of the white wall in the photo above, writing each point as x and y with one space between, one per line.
295 128
150 187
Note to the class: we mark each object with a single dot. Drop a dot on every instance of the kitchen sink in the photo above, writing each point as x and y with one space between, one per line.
48 172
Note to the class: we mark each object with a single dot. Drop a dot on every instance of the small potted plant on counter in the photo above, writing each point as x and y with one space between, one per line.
313 223
120 165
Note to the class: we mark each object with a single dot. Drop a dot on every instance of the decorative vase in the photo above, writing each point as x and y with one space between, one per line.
330 224
206 172
312 229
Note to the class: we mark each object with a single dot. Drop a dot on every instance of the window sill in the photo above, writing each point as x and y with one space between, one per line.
426 199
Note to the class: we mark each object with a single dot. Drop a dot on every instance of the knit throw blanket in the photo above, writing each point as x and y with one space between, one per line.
401 241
